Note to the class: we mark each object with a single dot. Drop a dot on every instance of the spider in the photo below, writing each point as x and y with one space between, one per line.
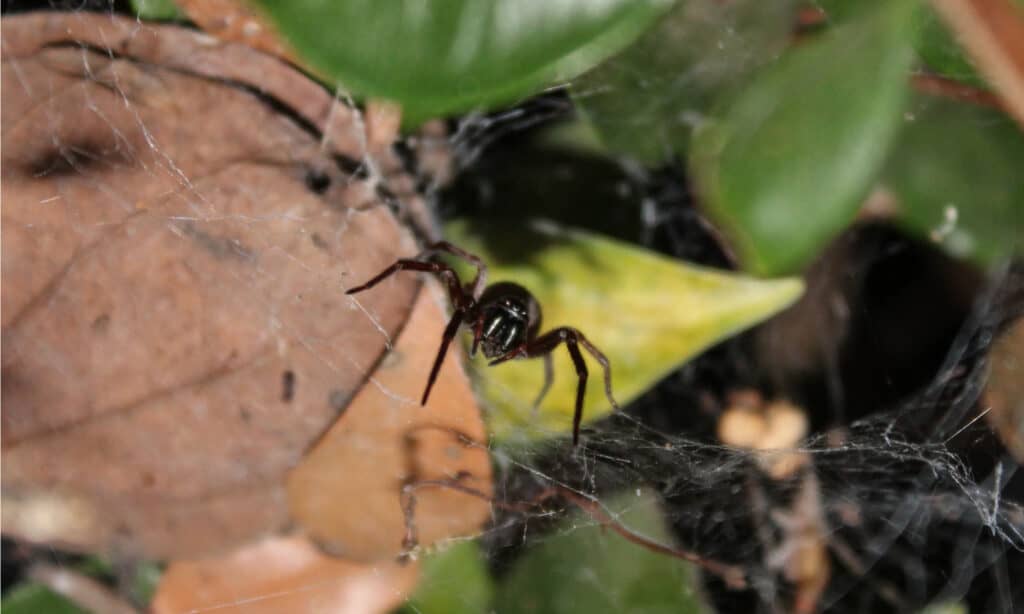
505 319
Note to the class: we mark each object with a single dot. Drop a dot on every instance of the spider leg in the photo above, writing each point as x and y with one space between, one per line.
603 361
478 333
480 280
581 371
445 272
446 339
545 344
549 377
521 351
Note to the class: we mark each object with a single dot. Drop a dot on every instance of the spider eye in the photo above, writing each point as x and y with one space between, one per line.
493 326
502 332
510 338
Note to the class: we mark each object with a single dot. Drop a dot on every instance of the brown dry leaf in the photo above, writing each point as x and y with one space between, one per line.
284 574
1004 393
992 31
174 251
236 21
347 491
376 129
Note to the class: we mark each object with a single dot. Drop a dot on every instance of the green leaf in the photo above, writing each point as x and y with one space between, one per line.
956 173
439 57
645 101
452 581
35 598
785 167
648 314
582 568
940 52
157 9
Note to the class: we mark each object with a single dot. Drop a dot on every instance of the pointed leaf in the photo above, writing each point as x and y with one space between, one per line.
452 55
786 165
648 314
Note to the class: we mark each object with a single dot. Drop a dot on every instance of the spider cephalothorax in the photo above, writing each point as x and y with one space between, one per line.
505 319
508 316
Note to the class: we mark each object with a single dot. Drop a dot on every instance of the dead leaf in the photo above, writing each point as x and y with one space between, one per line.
347 491
236 21
283 574
175 245
1004 393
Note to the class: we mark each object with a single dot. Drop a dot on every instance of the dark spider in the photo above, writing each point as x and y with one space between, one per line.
506 319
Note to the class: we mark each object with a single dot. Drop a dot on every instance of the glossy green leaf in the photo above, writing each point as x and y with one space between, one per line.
156 9
583 568
785 166
956 174
452 581
439 57
648 314
646 101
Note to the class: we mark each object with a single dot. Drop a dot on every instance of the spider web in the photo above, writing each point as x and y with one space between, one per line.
915 500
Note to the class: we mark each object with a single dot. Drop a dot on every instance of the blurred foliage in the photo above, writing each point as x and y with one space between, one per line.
647 313
156 9
646 101
786 164
785 131
939 51
581 567
447 56
33 598
956 176
452 581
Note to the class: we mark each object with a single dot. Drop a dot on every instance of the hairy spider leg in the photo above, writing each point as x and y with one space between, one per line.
546 343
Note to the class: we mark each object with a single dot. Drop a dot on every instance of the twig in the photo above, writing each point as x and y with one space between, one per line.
732 575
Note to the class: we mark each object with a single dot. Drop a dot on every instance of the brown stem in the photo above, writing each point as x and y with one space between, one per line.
936 85
732 575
